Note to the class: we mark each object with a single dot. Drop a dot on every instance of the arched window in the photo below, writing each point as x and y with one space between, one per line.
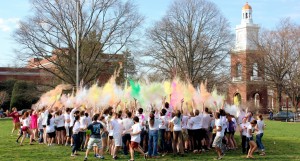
246 15
255 70
238 70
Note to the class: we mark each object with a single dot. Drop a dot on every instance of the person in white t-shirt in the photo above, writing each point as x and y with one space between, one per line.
60 127
217 144
243 130
67 125
259 134
196 123
252 143
162 131
25 128
206 121
117 130
135 138
127 124
50 129
177 134
153 135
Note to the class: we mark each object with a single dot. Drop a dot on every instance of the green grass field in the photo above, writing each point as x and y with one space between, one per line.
281 139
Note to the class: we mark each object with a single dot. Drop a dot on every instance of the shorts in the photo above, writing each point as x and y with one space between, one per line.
104 135
93 141
44 126
51 134
70 131
217 142
134 145
24 128
185 134
111 137
250 138
67 130
118 139
88 132
60 128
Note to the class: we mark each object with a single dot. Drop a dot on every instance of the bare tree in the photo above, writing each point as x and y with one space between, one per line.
105 26
280 49
3 97
192 40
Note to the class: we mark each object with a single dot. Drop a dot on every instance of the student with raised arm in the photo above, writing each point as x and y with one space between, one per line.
177 134
153 135
135 139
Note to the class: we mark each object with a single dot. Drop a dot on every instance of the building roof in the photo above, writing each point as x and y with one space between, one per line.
247 7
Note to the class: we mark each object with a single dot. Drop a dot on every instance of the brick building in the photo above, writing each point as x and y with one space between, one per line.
248 86
33 71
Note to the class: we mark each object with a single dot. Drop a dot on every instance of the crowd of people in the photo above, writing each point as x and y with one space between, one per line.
153 134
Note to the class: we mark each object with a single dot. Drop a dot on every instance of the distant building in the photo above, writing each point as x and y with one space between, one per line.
33 71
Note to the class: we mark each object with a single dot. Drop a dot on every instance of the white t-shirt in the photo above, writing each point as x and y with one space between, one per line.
177 123
40 122
249 127
260 126
142 120
164 123
244 128
67 119
196 122
218 125
60 121
72 118
26 122
155 125
45 117
136 128
127 124
189 123
83 122
50 128
116 127
223 122
184 121
206 119
76 127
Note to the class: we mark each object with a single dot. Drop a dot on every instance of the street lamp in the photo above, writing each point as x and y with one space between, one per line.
287 108
77 45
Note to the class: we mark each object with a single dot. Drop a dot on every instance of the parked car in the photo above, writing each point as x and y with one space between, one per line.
283 115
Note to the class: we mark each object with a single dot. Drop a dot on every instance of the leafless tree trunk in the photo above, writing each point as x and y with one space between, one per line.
105 26
191 40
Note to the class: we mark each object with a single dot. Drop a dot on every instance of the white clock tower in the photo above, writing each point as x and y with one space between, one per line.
246 32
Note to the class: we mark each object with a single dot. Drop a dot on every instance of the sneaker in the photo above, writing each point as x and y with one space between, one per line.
115 157
72 155
218 158
145 156
85 159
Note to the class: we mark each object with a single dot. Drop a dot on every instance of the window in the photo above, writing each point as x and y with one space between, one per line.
246 15
255 70
238 70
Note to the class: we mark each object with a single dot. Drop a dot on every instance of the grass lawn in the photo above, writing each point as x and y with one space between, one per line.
281 139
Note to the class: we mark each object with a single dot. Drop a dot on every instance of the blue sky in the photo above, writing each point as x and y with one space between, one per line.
266 13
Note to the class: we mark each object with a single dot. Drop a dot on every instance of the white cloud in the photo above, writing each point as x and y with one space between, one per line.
7 25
